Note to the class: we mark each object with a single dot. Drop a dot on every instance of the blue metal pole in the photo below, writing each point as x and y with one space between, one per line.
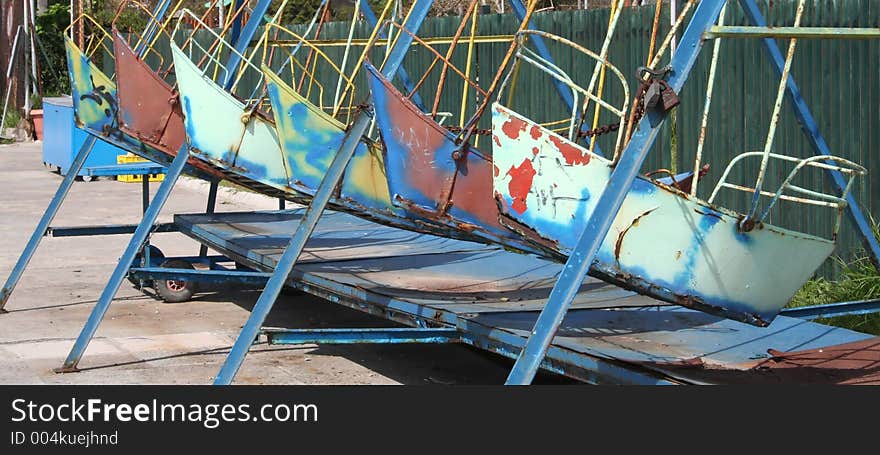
831 310
212 203
134 245
371 19
236 21
152 26
811 128
609 203
242 42
47 218
251 329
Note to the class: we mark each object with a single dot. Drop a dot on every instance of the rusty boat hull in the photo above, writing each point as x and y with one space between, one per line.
309 139
536 190
427 181
97 108
663 242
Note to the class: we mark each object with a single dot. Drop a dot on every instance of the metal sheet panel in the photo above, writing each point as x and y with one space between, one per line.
462 284
662 242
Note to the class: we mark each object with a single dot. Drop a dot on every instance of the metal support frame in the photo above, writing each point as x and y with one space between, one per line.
212 204
811 129
736 31
138 239
125 169
831 310
109 229
373 21
48 216
243 41
284 266
152 27
609 203
519 10
201 276
408 335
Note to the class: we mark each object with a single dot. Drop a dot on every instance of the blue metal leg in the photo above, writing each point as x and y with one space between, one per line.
251 329
609 203
134 245
212 203
831 310
48 215
811 128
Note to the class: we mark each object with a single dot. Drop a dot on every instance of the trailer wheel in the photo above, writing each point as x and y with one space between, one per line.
88 178
156 258
175 291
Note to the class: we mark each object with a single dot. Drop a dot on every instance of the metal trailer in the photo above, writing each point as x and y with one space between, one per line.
438 290
453 291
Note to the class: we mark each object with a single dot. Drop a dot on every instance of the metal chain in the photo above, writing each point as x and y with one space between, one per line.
600 130
458 129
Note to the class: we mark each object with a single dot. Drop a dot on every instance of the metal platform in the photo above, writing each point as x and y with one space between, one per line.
492 298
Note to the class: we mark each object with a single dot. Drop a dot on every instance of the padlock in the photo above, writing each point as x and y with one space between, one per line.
653 94
668 97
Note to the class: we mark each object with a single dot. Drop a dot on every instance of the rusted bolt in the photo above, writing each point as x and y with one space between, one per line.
172 101
245 118
746 224
456 155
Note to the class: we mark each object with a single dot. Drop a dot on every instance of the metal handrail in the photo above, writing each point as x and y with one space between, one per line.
524 54
816 198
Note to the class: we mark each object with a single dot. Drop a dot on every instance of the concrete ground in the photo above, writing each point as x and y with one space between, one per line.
145 341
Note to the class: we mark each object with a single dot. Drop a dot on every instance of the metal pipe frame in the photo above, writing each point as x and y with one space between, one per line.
138 239
146 168
212 204
811 129
200 276
110 229
593 370
609 203
734 31
373 21
48 216
243 41
407 335
288 259
831 310
621 179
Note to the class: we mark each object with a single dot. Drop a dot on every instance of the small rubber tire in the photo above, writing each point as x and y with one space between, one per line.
156 258
88 178
175 291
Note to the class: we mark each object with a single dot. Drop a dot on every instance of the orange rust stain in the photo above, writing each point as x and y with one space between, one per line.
520 183
535 132
495 138
512 127
535 151
471 191
571 153
419 142
497 171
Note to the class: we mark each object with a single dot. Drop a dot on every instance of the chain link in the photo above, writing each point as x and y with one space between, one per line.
477 131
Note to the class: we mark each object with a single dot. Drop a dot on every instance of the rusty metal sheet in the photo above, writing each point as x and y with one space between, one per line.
463 284
426 179
148 106
663 242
